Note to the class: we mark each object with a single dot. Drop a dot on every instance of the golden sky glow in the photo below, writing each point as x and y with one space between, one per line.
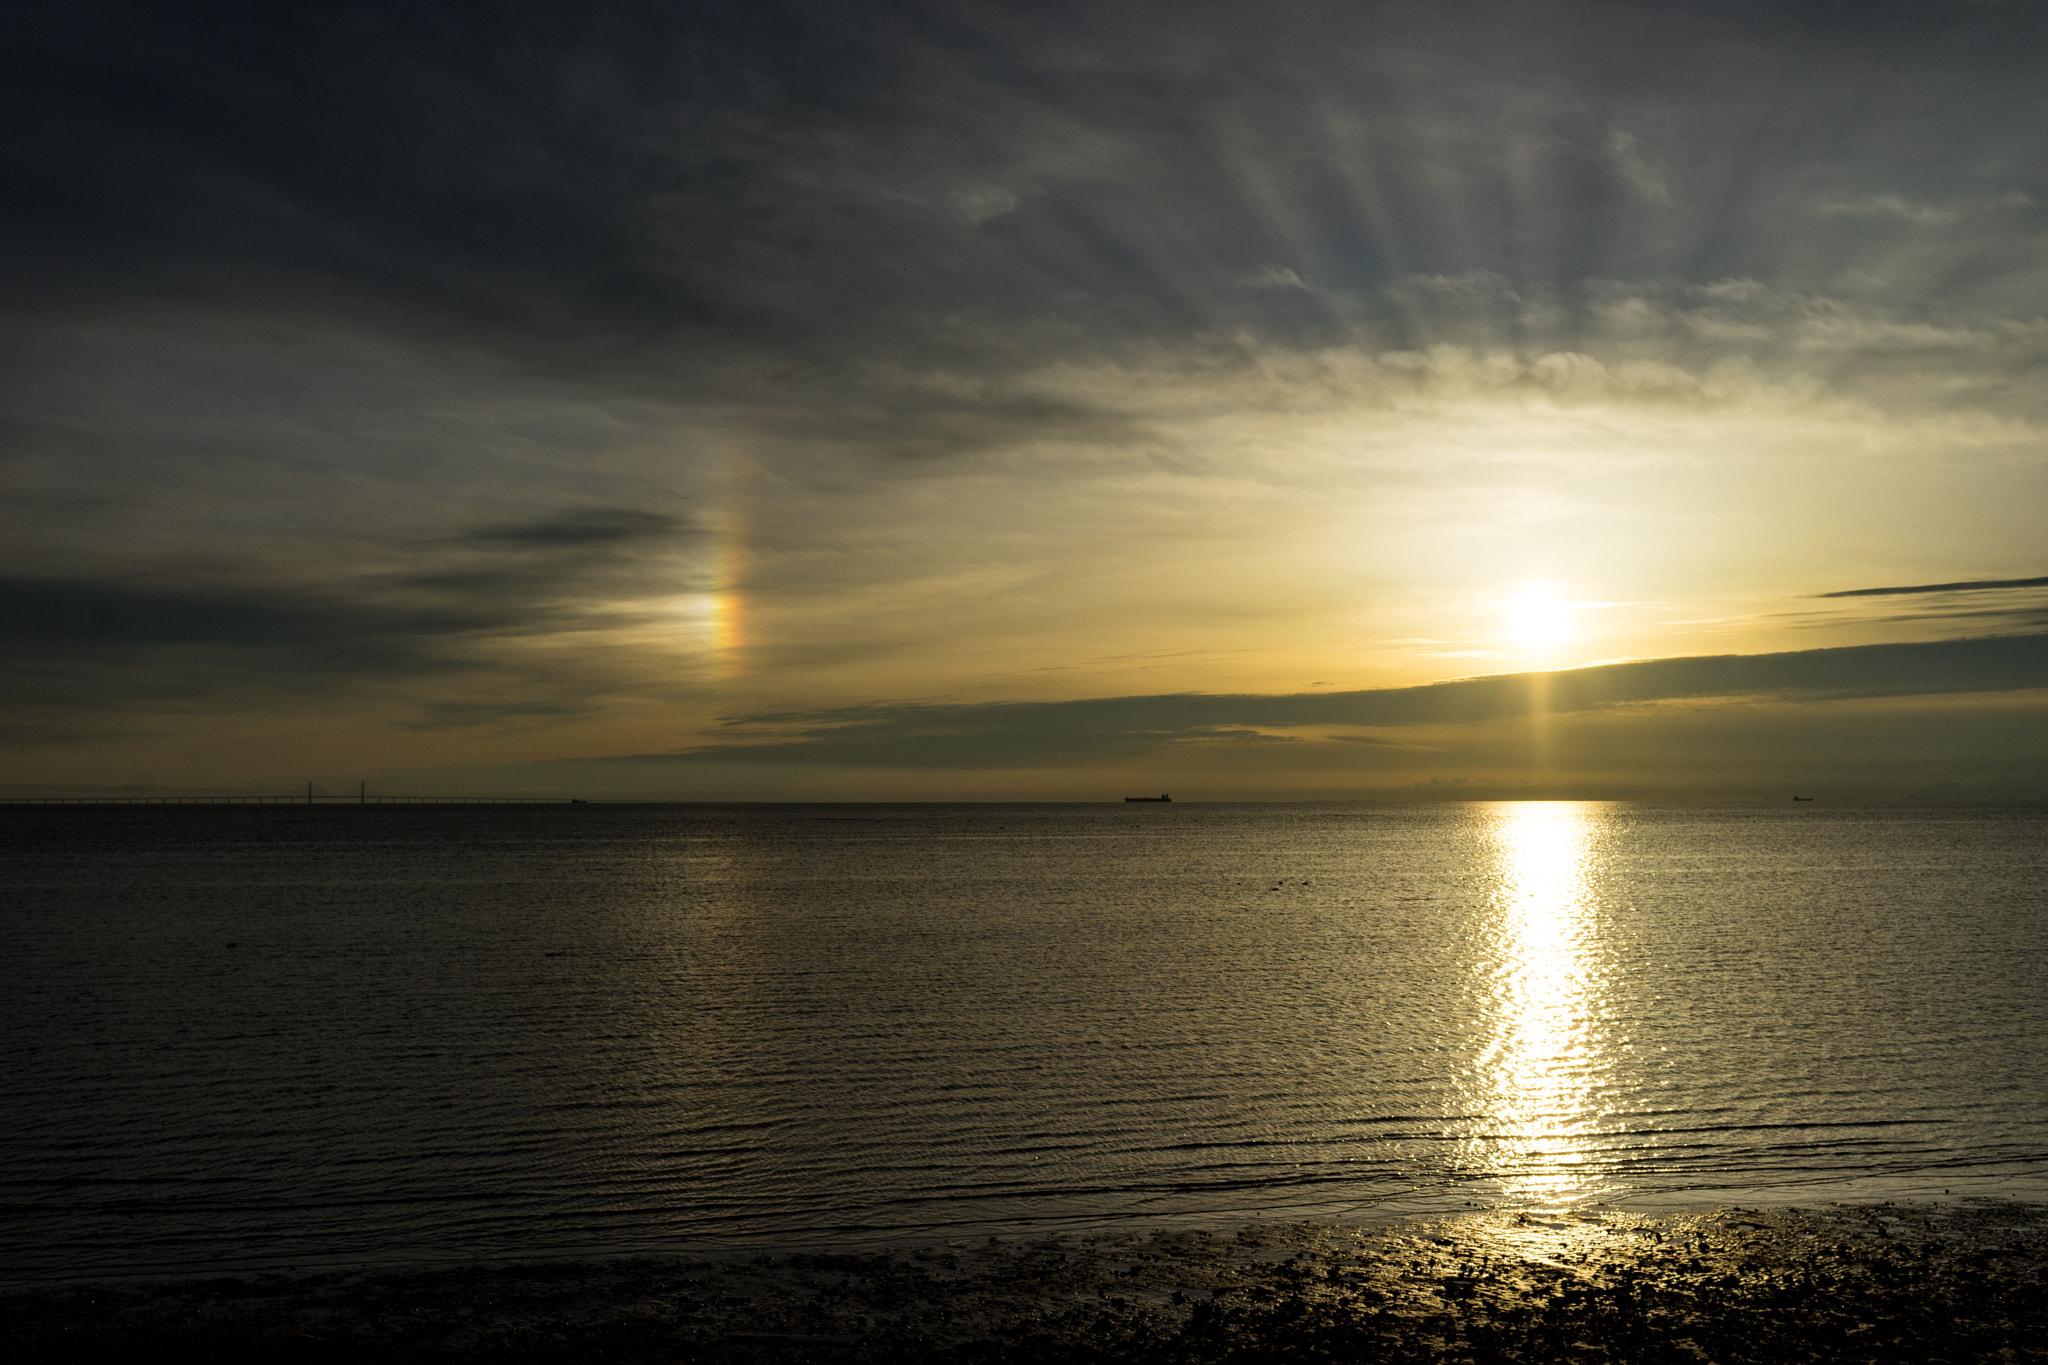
715 414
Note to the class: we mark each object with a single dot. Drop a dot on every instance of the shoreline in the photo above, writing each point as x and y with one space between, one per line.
1907 1281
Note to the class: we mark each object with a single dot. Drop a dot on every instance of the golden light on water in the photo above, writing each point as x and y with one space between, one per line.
1546 1047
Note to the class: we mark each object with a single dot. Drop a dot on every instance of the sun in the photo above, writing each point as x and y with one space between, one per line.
1538 618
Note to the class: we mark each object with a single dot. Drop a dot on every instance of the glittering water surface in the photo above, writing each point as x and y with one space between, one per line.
266 1036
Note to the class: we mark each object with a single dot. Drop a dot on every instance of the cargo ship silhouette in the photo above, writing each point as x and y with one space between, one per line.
1161 797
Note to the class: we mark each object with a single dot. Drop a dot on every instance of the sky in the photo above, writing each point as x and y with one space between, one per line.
982 401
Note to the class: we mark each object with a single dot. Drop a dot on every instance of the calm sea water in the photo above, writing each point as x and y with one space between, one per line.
269 1036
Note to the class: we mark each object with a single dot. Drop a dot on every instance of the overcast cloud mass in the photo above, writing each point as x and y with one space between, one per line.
984 400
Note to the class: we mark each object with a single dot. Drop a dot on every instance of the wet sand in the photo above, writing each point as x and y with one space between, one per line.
1860 1283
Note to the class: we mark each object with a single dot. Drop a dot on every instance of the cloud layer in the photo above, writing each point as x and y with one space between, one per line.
1009 735
527 380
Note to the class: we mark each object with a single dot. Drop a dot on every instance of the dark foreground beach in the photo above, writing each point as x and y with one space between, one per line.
1860 1283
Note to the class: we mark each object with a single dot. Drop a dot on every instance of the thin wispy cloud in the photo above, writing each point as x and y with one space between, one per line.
1965 585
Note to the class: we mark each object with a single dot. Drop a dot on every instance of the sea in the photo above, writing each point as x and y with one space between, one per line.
267 1038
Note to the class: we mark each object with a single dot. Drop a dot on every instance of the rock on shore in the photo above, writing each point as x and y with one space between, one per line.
1862 1283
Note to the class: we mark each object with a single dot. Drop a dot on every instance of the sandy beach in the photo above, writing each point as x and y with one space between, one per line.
1858 1283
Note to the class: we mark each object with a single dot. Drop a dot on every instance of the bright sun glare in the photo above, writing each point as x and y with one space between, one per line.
1538 618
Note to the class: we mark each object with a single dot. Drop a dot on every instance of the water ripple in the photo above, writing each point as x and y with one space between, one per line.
275 1036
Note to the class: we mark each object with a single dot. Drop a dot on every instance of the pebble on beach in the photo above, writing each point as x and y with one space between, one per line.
1860 1283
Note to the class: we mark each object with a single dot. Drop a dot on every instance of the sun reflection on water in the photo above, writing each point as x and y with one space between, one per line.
1545 1054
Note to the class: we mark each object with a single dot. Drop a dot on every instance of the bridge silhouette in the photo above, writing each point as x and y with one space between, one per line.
298 799
309 797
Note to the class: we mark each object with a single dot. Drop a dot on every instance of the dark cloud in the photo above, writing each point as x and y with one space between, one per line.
2012 620
1970 585
552 572
582 527
119 617
802 180
1050 733
90 655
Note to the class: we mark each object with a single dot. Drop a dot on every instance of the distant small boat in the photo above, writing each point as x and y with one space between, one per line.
1161 797
1802 798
